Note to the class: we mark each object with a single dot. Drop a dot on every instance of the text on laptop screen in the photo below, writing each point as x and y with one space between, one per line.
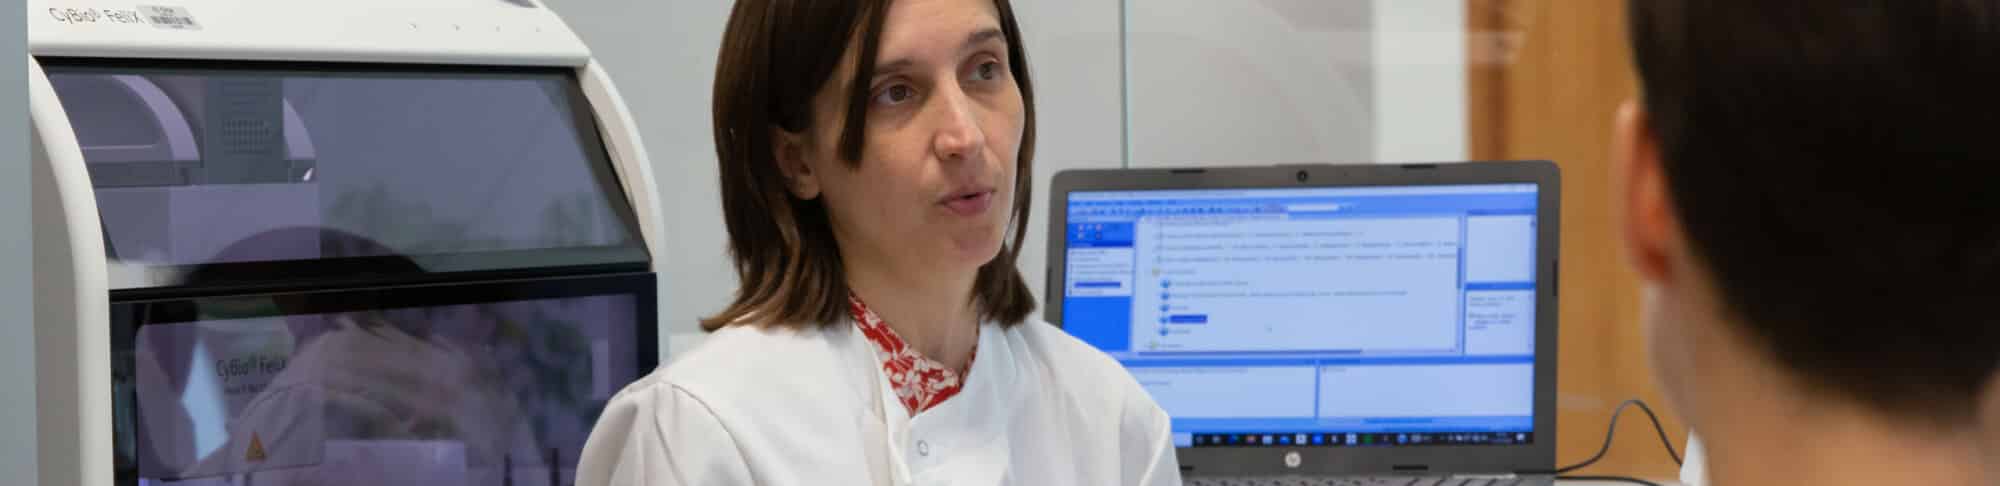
1317 316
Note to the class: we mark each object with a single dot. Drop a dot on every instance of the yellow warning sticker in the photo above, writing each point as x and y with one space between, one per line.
256 452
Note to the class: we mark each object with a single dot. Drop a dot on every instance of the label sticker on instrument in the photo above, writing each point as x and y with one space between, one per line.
172 18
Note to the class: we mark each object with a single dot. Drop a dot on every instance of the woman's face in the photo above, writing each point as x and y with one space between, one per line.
934 187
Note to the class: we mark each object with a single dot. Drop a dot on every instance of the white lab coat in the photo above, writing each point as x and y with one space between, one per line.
813 407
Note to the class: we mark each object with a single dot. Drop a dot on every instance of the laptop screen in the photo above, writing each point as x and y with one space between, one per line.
1346 316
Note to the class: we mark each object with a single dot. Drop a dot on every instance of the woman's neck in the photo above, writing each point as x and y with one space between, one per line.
933 312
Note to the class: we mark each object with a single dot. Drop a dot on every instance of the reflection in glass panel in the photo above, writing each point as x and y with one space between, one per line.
188 162
255 391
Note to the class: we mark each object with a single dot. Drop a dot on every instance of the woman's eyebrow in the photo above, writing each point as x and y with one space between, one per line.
979 37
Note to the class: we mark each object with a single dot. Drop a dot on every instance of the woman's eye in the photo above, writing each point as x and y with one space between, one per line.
895 95
986 71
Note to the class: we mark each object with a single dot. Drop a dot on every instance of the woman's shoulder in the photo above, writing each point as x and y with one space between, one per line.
747 365
1077 368
1070 374
1052 346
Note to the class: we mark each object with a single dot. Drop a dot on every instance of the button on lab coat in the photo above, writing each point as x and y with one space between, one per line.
813 407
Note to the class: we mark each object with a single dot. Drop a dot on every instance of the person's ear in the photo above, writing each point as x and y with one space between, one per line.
1988 417
792 153
1641 205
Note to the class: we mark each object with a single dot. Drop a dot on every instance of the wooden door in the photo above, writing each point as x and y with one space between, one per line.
1546 78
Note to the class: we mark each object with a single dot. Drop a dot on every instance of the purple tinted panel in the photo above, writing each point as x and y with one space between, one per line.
190 162
495 393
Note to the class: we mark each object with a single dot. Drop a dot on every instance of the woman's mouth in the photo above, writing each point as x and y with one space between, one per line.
969 203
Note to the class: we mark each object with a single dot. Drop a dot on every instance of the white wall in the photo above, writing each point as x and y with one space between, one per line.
1419 71
1250 82
1237 82
1073 54
17 332
661 54
1264 82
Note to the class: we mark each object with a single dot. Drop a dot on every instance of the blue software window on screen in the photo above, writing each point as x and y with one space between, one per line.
1344 316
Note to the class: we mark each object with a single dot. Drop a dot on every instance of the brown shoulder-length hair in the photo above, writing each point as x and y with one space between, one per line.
776 54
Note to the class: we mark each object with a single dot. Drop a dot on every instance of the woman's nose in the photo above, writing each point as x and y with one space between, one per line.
959 136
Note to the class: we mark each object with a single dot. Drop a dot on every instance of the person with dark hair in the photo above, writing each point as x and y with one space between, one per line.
875 162
1807 198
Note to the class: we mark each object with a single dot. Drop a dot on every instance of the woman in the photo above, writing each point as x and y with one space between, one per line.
875 162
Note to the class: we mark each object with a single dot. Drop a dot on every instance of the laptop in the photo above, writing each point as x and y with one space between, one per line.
1325 324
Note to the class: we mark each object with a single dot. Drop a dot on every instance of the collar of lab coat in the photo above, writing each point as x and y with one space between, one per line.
965 426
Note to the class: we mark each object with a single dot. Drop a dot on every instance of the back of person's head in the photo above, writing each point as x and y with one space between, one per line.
1833 166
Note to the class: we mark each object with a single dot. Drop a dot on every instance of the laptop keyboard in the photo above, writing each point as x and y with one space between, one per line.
1361 481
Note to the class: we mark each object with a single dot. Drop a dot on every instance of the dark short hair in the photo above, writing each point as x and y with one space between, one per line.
1835 163
776 54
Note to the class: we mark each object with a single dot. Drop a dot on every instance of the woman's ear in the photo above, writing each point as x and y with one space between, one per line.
791 151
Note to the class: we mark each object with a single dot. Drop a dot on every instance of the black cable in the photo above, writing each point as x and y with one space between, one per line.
1611 432
1609 478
